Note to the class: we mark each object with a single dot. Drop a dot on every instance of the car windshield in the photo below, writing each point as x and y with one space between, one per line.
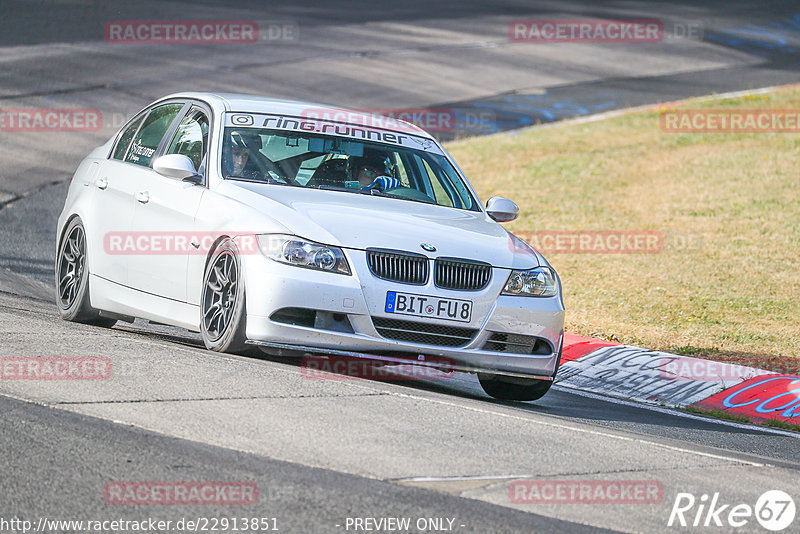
337 163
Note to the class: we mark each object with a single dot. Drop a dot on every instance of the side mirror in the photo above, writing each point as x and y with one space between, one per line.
177 166
501 209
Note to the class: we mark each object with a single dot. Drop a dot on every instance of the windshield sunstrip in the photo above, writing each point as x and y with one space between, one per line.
321 126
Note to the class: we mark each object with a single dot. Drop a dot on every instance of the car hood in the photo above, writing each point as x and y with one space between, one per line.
355 221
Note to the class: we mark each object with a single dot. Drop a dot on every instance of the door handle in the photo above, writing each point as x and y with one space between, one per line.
143 197
101 183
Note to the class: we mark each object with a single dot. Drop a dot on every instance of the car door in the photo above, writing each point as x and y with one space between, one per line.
122 179
166 209
116 185
111 212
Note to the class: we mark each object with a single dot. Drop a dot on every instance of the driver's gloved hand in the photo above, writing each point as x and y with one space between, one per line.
382 183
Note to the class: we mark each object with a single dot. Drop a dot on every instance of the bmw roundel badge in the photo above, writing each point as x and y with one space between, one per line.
428 247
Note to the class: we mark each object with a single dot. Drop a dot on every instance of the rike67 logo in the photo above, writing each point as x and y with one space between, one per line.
774 510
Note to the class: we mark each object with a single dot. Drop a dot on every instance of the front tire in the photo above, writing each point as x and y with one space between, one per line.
224 317
517 389
523 390
72 279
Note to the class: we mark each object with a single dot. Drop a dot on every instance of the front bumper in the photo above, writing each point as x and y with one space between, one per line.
272 286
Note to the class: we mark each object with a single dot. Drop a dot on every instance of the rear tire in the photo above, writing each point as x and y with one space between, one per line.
72 279
224 317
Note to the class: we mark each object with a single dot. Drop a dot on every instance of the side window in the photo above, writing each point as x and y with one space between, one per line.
146 141
447 188
438 188
399 169
125 139
191 137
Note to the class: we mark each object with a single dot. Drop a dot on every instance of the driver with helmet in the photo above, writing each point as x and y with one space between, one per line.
371 173
242 162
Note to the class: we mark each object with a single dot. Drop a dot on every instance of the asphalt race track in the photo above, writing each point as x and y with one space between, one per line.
323 452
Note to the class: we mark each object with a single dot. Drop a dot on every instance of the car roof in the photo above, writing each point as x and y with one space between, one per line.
242 103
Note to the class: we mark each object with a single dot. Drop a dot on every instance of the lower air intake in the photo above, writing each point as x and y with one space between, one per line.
425 333
517 344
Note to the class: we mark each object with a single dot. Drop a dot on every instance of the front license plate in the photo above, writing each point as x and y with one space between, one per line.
428 306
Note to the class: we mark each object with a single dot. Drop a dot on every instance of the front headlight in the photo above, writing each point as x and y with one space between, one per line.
301 253
538 282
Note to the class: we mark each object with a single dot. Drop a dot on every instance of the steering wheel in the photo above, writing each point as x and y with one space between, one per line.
332 172
265 166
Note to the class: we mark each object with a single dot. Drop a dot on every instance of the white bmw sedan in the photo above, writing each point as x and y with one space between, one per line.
300 228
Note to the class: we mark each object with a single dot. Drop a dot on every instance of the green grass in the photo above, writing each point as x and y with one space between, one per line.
722 414
777 423
719 414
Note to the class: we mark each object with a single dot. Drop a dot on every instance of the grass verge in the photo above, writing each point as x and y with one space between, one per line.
719 414
777 423
722 414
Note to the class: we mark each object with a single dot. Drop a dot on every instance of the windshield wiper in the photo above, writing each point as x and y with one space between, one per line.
360 191
339 188
373 192
379 193
256 180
